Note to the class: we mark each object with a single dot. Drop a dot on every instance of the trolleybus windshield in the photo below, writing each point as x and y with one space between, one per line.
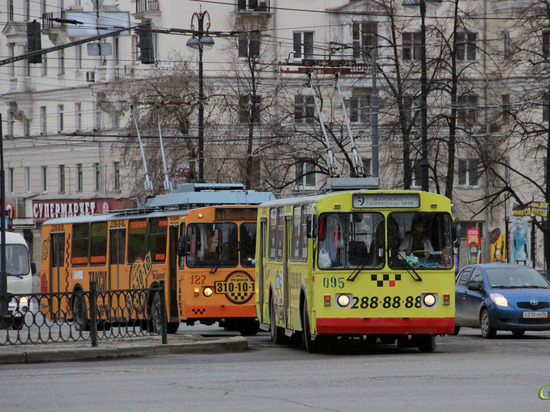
212 245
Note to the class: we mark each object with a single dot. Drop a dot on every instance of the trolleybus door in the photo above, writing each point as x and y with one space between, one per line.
57 242
117 244
260 262
286 269
172 274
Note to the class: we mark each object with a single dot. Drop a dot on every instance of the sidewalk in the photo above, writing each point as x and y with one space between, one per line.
119 348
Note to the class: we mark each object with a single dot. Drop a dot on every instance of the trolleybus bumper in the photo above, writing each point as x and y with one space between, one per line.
353 326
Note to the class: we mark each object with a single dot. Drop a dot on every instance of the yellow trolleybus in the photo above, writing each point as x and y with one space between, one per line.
372 264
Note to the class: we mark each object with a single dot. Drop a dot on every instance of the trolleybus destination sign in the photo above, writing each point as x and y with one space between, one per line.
386 200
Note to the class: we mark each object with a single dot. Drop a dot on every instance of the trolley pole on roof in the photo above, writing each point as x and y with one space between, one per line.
148 183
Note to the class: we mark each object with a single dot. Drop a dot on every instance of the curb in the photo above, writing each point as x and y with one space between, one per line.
22 355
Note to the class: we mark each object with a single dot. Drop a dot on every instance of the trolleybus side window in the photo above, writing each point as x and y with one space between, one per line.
280 232
299 234
157 239
80 245
58 250
98 244
137 237
272 234
248 244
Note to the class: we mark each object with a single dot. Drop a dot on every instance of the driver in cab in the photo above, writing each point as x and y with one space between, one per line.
416 240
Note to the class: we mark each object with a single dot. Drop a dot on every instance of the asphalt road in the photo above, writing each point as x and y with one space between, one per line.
465 373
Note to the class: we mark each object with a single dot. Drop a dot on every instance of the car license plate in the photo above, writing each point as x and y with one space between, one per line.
536 315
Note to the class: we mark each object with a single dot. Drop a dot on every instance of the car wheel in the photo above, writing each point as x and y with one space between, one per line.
518 333
487 330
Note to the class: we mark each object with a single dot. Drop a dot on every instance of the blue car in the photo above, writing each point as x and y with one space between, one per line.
501 296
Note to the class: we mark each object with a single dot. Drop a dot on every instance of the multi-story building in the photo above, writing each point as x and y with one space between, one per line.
71 146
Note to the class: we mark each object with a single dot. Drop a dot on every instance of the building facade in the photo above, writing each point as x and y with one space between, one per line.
71 145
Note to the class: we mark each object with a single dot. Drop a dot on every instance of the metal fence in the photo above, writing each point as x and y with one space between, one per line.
83 315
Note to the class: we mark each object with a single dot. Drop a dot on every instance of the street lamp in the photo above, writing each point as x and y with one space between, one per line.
200 41
423 91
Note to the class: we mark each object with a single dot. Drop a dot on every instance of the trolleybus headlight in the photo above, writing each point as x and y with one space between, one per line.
429 299
207 292
343 300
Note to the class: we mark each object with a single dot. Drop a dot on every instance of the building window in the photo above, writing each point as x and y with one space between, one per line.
252 5
359 106
97 121
97 174
303 45
27 10
506 45
78 116
505 109
466 46
60 119
412 46
467 110
10 10
44 65
364 39
116 176
116 50
61 179
79 178
249 109
468 172
43 9
27 179
61 62
546 44
367 164
304 109
43 120
11 178
11 53
506 170
416 170
26 126
411 110
44 178
545 111
249 45
305 174
78 55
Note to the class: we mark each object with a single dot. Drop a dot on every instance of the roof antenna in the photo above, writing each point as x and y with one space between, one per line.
148 183
358 167
332 167
167 183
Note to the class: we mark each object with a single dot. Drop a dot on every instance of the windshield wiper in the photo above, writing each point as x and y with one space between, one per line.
410 270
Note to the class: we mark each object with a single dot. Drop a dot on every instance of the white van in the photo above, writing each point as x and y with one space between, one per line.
19 270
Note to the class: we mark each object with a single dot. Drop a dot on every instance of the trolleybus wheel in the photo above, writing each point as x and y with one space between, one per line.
457 330
277 334
312 346
249 327
172 327
426 343
80 313
487 330
155 319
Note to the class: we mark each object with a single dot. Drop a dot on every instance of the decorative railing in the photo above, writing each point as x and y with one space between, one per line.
83 315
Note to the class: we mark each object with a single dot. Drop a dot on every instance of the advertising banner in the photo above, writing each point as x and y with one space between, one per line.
473 246
520 241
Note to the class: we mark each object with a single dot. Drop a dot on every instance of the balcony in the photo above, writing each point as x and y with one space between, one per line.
253 6
147 9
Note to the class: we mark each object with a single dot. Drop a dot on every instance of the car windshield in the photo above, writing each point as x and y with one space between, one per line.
508 278
17 260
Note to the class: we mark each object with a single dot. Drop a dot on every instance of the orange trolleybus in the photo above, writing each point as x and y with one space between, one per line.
204 254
